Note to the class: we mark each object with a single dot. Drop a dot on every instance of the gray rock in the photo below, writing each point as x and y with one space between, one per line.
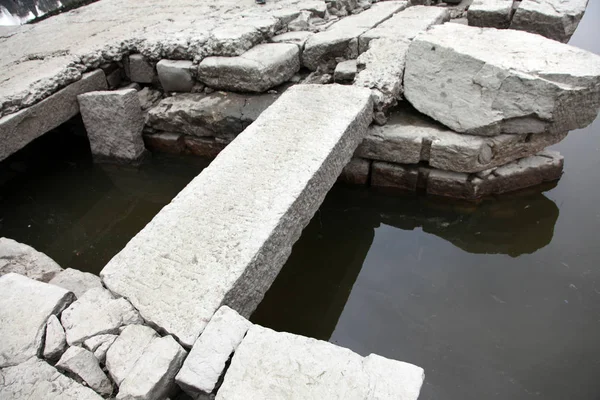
127 349
476 81
318 78
153 375
206 362
554 19
25 306
97 312
139 70
345 71
20 128
76 281
175 75
341 39
149 97
269 365
114 123
356 172
232 251
36 379
25 260
301 22
257 70
410 137
56 342
99 345
490 13
84 364
394 176
297 38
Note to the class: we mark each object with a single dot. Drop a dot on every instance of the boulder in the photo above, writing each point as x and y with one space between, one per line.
127 349
153 375
554 19
84 364
206 362
76 281
99 345
490 13
114 122
25 260
257 70
56 342
175 75
139 70
25 307
477 81
345 71
97 312
36 379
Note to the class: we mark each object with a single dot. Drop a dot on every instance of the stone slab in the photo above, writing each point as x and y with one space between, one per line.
99 345
490 13
25 260
25 306
269 365
257 70
56 342
476 81
19 129
139 70
76 281
206 362
84 364
175 75
232 228
554 19
345 71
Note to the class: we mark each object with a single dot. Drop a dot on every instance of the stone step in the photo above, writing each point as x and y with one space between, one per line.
224 238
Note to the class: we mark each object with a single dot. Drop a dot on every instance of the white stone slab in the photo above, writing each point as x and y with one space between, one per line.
99 345
25 260
555 19
84 364
56 342
232 228
25 306
490 13
76 281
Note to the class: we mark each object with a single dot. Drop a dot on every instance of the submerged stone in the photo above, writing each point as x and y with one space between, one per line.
25 260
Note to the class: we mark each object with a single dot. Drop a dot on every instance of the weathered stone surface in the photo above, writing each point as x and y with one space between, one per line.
175 75
127 349
99 345
56 342
341 39
114 123
410 137
257 70
298 38
25 306
490 13
218 114
25 260
395 176
270 364
84 364
76 281
476 81
153 375
345 71
19 129
555 19
356 172
206 362
229 252
148 97
36 379
97 312
138 69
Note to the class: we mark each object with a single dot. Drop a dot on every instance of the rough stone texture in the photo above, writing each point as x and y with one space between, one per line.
490 13
478 81
555 19
269 365
206 362
298 38
341 39
36 379
257 70
25 260
410 137
56 342
153 375
345 71
25 306
19 129
84 364
76 281
218 114
114 124
225 252
175 75
356 172
127 349
139 69
99 345
97 312
527 172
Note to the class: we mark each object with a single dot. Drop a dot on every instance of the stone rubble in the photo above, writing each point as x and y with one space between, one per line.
55 342
83 364
24 260
76 281
25 307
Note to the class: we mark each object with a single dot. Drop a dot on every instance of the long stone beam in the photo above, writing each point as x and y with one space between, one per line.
225 237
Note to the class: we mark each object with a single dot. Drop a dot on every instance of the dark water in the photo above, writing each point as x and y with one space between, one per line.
17 12
497 302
